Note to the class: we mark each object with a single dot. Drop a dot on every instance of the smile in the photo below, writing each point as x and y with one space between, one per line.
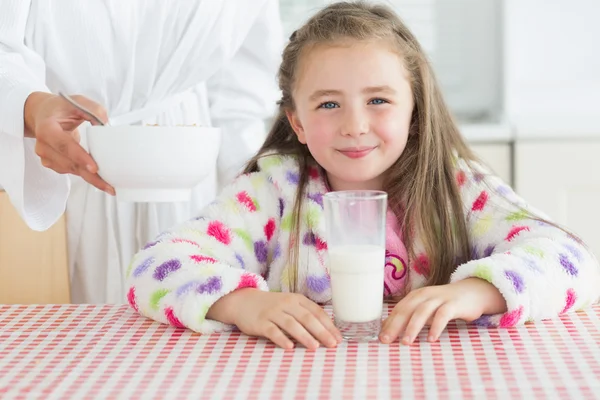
357 152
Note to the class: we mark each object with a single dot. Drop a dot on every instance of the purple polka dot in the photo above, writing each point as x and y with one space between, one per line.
261 251
281 207
309 239
484 321
317 284
187 288
150 244
568 265
474 253
503 190
317 198
293 177
211 286
478 177
277 251
240 260
489 250
532 264
575 252
164 269
516 280
143 266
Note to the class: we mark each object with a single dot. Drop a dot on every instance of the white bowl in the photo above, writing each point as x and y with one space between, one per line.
153 163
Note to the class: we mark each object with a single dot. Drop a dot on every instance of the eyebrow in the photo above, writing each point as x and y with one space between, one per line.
368 90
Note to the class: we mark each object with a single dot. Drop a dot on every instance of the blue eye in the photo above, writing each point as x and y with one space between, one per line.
378 101
328 105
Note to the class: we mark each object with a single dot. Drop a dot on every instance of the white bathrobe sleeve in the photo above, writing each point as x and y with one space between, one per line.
39 194
243 94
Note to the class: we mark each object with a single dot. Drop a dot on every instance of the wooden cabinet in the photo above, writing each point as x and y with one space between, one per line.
497 156
562 179
33 265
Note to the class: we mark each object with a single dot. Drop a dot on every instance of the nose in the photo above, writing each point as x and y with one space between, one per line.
355 123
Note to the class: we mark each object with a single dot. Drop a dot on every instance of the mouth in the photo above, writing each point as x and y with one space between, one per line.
357 152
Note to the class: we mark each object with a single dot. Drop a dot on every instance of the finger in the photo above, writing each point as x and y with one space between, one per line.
323 318
51 134
395 322
98 182
55 161
313 325
275 335
417 321
443 315
76 136
295 329
93 107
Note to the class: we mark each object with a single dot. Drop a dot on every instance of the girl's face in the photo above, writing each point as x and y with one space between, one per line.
353 107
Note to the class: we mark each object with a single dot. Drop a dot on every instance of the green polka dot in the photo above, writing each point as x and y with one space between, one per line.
203 311
245 236
129 268
270 162
312 216
233 206
157 297
483 272
518 216
483 225
256 205
287 222
534 251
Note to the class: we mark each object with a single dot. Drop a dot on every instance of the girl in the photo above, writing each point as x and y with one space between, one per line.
361 109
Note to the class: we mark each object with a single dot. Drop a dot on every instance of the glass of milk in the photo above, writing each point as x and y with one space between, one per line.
355 226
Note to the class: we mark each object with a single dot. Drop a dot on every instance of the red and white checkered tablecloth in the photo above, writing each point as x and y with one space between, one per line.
108 351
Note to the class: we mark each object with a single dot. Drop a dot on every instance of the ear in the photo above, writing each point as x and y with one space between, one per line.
296 125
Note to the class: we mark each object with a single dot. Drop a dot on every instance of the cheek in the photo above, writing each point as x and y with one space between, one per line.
391 127
319 129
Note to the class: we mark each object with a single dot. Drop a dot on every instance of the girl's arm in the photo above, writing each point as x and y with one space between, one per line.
178 277
540 270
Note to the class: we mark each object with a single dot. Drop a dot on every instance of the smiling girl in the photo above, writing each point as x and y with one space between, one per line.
361 109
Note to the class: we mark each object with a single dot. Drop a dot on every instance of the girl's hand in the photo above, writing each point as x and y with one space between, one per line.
272 315
435 306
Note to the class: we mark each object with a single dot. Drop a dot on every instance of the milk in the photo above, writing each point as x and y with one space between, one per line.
357 282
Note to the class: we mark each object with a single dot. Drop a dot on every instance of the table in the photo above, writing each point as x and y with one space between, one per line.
108 351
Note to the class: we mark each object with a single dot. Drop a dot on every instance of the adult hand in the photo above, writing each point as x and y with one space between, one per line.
54 123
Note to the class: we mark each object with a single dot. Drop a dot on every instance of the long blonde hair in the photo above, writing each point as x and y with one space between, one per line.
421 186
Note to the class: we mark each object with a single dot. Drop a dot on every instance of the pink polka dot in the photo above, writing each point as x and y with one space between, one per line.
247 281
245 199
200 258
219 231
515 231
131 299
510 319
480 202
313 173
270 228
421 265
172 318
320 244
461 178
179 240
570 300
